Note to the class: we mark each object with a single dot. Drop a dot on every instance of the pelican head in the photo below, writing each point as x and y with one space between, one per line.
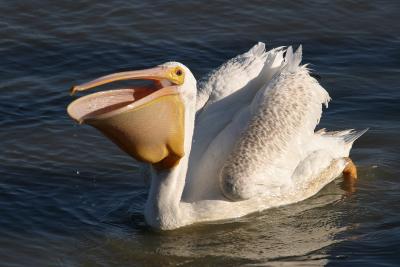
147 122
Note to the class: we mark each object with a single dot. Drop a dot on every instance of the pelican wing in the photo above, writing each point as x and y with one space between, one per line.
231 76
259 139
284 115
225 95
248 70
230 89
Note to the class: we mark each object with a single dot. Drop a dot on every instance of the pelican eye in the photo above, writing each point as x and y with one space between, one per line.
178 72
177 75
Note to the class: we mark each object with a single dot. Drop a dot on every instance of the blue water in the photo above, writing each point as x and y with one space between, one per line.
68 197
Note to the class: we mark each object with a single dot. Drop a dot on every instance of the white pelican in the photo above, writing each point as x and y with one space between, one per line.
242 143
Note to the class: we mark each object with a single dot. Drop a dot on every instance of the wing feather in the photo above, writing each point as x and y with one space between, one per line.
231 76
225 96
251 69
284 116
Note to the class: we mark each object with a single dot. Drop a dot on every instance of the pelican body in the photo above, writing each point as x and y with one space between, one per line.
242 141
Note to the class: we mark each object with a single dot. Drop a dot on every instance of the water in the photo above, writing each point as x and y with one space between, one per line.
68 197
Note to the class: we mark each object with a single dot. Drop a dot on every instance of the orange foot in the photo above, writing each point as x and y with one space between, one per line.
350 177
350 171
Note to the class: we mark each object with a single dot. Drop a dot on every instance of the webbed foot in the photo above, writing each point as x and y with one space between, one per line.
350 171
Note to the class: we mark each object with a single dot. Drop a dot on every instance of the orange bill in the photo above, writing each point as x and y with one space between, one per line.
145 122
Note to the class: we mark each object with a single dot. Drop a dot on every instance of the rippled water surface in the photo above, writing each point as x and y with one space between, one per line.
68 197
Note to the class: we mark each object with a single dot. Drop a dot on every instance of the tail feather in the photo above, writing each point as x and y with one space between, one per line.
353 136
323 131
348 136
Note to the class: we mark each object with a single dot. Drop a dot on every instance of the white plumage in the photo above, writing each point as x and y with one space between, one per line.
254 145
243 142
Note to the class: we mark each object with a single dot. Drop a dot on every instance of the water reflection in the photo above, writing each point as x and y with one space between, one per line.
286 234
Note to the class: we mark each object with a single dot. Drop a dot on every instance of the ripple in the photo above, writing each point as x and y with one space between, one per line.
70 198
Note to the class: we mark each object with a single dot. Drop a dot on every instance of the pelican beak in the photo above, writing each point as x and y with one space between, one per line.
145 122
